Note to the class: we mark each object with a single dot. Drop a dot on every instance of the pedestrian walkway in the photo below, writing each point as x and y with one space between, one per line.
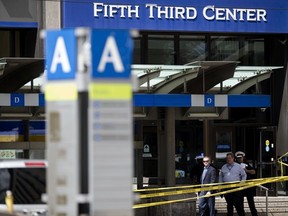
277 206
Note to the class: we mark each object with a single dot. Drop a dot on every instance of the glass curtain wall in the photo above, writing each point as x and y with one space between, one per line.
180 49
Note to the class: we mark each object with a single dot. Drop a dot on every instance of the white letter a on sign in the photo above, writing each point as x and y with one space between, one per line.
60 57
111 55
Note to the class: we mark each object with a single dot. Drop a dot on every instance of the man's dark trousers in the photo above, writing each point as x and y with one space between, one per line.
207 203
235 199
249 193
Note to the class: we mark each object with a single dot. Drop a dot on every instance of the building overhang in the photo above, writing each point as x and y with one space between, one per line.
16 72
159 85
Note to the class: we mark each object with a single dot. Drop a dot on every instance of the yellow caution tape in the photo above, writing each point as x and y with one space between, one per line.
224 188
210 187
220 188
282 163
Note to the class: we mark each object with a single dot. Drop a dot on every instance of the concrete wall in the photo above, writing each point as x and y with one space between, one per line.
282 135
49 17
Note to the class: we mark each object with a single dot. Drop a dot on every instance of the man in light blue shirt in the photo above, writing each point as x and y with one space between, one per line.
232 171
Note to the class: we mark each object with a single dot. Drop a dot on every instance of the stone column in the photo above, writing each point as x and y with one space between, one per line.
208 143
49 18
52 15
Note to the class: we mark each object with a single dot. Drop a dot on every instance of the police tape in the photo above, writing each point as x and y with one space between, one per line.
218 188
280 161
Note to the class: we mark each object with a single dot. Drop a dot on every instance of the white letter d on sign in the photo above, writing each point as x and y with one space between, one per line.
209 100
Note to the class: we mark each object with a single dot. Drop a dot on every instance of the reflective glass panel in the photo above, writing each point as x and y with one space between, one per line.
161 49
192 48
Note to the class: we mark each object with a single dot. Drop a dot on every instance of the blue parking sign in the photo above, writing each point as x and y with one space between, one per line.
111 53
61 54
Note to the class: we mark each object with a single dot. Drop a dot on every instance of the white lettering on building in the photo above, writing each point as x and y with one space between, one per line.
162 12
170 12
236 14
111 11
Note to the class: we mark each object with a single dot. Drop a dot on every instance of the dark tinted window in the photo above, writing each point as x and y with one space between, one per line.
26 184
161 49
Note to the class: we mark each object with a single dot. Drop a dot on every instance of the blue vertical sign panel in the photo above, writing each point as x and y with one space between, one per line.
61 54
109 59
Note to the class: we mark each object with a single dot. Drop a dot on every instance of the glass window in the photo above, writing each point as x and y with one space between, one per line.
137 51
253 52
150 140
169 50
223 146
11 131
224 48
27 184
150 151
188 145
18 43
5 42
161 49
37 131
191 49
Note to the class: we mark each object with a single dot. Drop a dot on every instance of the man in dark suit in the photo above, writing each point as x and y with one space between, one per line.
207 204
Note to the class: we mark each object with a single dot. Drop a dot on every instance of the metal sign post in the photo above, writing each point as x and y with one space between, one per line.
82 77
110 124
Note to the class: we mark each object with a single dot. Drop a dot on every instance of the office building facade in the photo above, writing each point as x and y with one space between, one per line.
221 48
